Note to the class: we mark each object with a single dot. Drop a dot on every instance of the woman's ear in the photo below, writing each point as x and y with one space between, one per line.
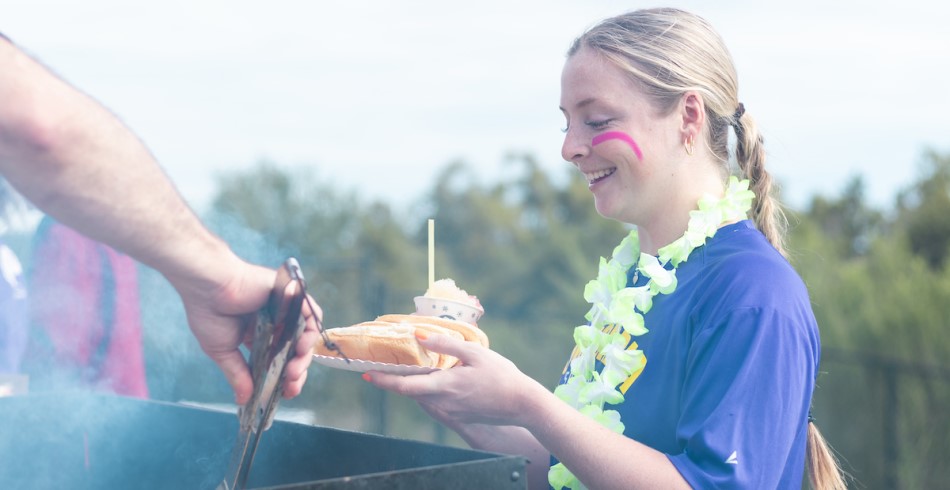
693 111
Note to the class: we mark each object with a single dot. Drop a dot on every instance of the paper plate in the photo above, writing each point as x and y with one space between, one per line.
363 366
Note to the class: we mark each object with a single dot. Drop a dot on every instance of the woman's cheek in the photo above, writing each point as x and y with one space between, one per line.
619 135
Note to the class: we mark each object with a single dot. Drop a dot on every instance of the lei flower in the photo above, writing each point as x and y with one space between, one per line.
617 309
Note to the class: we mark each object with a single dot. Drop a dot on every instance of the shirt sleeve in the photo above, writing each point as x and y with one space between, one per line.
746 397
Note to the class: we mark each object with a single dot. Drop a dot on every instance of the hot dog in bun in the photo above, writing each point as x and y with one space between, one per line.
391 338
387 342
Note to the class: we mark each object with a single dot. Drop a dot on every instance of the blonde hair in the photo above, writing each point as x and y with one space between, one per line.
669 52
824 473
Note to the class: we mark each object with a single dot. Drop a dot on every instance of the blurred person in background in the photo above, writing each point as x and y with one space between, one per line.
698 364
76 161
85 315
14 325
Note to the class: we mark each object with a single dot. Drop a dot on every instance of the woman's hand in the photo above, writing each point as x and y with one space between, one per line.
485 388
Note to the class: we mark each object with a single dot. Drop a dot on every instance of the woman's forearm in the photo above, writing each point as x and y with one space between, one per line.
511 440
598 457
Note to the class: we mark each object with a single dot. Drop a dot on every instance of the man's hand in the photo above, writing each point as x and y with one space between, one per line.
222 319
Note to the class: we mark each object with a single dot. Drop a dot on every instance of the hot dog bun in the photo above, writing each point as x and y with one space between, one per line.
387 342
470 332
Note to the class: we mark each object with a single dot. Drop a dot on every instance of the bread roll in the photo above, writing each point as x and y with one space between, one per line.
387 342
470 332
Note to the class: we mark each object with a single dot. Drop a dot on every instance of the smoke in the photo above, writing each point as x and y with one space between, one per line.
175 365
177 368
82 440
67 433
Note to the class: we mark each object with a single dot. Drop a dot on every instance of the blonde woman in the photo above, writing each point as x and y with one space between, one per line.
697 364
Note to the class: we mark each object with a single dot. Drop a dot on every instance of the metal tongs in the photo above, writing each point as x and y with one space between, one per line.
279 325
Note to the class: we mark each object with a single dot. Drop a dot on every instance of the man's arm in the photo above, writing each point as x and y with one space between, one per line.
76 161
79 163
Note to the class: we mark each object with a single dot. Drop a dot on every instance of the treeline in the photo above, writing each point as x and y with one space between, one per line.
880 285
878 278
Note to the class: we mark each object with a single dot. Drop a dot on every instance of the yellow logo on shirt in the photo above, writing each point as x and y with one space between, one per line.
631 346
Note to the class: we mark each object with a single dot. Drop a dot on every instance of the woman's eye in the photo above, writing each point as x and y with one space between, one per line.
598 124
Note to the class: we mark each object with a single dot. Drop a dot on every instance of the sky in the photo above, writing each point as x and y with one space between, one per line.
377 96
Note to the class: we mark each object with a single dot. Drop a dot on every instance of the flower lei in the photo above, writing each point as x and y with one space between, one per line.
617 309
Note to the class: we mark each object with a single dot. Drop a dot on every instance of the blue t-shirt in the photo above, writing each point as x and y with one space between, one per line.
731 360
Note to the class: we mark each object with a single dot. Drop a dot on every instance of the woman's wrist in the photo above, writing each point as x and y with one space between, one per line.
529 402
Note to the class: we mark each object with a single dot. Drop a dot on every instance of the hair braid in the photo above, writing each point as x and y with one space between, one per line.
767 212
824 473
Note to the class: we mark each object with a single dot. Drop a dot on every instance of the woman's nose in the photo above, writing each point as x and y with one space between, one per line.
574 147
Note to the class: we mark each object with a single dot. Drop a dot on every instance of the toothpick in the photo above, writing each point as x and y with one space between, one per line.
431 252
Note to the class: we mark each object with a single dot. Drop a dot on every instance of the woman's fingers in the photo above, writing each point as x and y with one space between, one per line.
467 352
411 386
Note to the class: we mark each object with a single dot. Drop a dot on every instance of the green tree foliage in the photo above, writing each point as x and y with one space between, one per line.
847 223
289 208
924 211
884 312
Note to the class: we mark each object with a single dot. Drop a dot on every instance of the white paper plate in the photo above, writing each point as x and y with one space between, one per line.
363 366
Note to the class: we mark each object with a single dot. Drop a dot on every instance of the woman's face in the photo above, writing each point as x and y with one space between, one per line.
616 138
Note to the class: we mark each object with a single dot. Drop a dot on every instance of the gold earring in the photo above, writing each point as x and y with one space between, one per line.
689 144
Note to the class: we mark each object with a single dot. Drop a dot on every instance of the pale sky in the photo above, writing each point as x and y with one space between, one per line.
377 96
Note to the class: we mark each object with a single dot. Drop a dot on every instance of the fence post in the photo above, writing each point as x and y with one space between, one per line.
891 439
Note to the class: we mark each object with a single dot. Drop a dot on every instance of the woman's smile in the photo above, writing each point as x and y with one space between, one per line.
598 176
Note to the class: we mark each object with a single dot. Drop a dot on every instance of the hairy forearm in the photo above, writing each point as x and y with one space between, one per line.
77 162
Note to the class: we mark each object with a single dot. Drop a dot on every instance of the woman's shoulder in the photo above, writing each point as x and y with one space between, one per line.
741 279
741 246
740 260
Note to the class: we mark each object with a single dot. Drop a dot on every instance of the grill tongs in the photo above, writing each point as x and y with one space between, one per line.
279 324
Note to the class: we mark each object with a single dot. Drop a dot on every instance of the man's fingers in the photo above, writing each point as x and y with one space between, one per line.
303 357
235 370
317 311
305 343
294 387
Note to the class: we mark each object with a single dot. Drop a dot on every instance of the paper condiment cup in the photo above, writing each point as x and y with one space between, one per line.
447 308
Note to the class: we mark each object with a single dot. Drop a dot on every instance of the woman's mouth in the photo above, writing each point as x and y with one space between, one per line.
595 177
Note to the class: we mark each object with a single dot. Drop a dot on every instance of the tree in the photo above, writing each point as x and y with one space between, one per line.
848 223
924 210
883 315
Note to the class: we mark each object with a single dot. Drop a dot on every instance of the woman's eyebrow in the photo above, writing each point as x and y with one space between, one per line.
581 104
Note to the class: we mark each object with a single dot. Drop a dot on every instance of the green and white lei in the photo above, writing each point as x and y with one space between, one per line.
617 308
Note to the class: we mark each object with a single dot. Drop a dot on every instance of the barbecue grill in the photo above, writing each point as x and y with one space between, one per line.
81 440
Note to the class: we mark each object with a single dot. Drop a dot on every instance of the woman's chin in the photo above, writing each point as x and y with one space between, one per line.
606 207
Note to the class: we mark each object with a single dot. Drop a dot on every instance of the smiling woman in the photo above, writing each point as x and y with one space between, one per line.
698 364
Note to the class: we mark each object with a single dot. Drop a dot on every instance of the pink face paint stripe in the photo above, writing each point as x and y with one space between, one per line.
617 135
